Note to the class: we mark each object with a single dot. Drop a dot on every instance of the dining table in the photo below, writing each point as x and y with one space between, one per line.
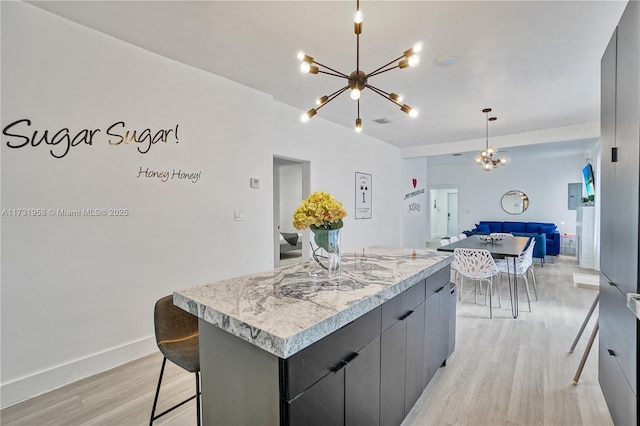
509 247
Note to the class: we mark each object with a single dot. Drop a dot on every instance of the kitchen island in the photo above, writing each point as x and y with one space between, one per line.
280 348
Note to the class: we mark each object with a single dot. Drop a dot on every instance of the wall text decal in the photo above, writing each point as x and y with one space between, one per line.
61 141
166 175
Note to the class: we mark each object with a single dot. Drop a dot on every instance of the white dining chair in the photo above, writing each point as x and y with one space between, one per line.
477 265
453 239
444 242
523 264
462 236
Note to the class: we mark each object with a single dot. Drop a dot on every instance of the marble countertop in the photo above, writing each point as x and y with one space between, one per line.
284 310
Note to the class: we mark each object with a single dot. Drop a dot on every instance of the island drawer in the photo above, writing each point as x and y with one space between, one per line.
437 280
402 304
306 367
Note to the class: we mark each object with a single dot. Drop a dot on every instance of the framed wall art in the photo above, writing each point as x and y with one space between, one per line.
363 195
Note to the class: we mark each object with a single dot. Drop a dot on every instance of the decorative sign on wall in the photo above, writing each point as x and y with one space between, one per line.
166 175
363 196
19 134
414 206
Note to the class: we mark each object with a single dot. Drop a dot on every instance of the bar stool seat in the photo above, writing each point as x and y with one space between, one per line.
179 341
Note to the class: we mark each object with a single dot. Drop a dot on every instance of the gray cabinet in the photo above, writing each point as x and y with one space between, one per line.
620 187
415 345
373 370
402 354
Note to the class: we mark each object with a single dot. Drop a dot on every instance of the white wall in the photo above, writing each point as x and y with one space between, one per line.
480 192
335 153
78 292
415 212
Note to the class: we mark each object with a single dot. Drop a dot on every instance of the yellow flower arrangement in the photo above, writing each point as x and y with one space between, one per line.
319 211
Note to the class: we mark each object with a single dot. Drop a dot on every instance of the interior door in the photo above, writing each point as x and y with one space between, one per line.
452 213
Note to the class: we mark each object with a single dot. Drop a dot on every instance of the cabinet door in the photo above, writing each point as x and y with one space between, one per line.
414 371
619 328
362 387
436 330
627 141
322 404
392 374
607 167
622 402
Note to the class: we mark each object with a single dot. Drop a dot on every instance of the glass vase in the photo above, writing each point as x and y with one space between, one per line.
325 253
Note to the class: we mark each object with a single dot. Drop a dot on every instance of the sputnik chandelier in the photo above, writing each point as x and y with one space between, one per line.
485 157
357 81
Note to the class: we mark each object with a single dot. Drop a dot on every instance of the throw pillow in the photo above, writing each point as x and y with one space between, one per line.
483 228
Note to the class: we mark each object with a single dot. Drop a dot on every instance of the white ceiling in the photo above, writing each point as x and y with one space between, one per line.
536 63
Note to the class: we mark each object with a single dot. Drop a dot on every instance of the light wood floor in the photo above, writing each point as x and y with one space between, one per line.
504 371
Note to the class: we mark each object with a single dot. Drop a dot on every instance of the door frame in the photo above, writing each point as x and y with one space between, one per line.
306 186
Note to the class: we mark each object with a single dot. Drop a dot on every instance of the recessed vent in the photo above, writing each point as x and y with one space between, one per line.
382 120
457 154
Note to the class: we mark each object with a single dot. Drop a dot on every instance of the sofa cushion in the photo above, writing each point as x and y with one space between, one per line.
483 228
533 228
513 227
548 230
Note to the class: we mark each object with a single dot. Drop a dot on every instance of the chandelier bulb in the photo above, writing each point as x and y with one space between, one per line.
358 17
305 67
417 47
414 60
307 115
301 55
409 111
358 125
355 94
395 97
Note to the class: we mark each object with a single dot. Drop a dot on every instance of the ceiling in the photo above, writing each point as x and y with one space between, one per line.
536 63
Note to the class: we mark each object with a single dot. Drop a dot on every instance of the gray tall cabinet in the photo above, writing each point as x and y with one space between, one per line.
620 194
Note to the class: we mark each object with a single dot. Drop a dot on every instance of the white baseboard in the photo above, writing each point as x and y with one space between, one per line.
27 387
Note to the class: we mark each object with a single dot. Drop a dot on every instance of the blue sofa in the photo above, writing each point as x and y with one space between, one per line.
552 236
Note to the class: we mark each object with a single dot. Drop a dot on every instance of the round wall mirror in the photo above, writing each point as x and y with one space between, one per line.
515 202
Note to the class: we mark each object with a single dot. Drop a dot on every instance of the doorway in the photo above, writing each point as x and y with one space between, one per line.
443 213
290 187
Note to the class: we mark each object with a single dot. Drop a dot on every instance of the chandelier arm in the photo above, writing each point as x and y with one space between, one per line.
357 54
337 92
358 108
333 96
381 71
382 93
330 69
335 75
374 72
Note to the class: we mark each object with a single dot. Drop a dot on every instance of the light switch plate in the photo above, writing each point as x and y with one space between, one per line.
254 182
238 216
